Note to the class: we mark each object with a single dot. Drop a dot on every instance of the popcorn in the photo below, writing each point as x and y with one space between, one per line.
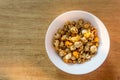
93 49
76 42
74 39
68 56
68 44
87 34
75 54
74 30
96 39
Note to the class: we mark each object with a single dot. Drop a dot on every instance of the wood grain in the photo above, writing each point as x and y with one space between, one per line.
23 24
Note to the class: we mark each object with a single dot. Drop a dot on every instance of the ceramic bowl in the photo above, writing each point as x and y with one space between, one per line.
95 61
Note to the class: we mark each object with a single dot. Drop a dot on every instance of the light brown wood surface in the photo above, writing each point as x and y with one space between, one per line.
23 25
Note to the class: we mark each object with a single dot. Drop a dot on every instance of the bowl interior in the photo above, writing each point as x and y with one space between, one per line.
88 66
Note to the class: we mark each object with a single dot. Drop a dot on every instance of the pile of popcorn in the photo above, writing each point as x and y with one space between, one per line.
76 42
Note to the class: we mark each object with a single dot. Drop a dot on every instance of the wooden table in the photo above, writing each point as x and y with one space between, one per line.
23 25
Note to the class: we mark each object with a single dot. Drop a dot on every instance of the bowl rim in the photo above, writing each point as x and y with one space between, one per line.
94 17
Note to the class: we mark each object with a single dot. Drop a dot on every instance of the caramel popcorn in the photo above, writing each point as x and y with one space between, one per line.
76 42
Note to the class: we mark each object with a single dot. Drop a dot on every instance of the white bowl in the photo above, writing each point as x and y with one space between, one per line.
88 66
